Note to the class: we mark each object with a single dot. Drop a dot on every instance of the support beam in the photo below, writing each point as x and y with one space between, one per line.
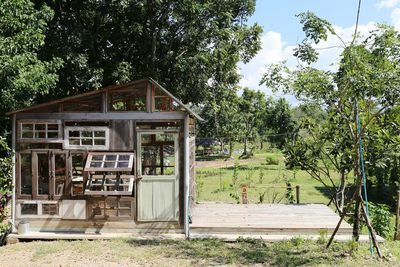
14 191
104 116
186 156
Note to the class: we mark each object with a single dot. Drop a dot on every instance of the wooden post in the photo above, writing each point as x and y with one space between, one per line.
298 194
245 199
397 229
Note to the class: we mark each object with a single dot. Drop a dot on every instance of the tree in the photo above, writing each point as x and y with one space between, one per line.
277 123
358 94
23 76
191 47
251 108
222 118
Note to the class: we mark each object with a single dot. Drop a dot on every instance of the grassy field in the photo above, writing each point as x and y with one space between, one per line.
261 173
131 252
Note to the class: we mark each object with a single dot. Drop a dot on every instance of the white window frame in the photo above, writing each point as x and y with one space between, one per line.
67 129
46 131
89 160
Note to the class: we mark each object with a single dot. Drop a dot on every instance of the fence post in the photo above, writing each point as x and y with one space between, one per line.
397 230
298 194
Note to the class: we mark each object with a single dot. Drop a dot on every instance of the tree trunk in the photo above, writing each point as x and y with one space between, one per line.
358 179
230 148
245 146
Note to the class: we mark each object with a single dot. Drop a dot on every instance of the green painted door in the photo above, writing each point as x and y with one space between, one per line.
158 189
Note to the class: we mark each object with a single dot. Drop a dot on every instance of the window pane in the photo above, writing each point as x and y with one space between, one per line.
52 127
43 174
49 209
95 164
87 142
99 142
26 175
27 127
27 134
59 173
99 134
73 134
111 157
40 127
52 134
159 157
74 142
109 164
40 135
123 164
77 174
86 134
29 209
124 157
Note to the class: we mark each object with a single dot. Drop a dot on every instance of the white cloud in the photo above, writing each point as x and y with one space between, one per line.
387 3
274 50
395 16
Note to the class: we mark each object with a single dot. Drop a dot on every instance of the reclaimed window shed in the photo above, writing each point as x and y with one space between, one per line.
116 159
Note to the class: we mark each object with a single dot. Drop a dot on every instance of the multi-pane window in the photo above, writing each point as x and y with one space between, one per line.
109 174
86 137
109 162
39 131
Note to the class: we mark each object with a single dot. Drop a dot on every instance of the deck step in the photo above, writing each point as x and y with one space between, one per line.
263 231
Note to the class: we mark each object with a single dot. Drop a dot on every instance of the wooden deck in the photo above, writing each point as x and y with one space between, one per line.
218 218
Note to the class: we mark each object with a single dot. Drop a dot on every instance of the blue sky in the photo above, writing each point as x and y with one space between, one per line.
282 30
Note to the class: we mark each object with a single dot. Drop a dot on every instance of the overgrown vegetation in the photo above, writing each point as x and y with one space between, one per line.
5 183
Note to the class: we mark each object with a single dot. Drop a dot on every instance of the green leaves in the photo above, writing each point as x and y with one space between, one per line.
23 76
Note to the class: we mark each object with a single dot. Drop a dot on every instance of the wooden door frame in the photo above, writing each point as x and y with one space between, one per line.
139 134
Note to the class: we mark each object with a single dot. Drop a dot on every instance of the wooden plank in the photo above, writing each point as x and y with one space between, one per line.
127 115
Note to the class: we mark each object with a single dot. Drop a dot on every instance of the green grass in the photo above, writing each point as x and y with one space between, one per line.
243 252
217 181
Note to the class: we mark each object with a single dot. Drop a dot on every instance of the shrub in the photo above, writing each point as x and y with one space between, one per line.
271 160
5 182
381 219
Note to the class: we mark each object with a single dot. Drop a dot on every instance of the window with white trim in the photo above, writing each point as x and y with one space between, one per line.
109 173
95 138
39 131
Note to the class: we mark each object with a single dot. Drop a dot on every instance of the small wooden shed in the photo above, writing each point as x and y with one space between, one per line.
118 159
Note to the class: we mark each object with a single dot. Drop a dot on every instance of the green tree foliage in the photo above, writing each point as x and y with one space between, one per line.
251 108
5 181
366 86
192 47
23 76
277 123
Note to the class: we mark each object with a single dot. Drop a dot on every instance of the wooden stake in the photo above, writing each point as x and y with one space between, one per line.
337 227
371 230
397 230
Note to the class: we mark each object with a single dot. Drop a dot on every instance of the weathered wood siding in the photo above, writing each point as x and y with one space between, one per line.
121 135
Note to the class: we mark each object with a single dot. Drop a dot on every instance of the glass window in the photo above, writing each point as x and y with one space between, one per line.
158 154
77 173
87 137
43 174
91 103
132 99
109 162
29 209
40 131
50 209
109 184
26 174
60 173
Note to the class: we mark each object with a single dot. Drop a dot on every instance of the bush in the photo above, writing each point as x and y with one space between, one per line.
381 219
5 182
271 160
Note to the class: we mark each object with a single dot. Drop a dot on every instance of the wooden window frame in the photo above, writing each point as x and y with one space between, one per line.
34 174
92 129
46 131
